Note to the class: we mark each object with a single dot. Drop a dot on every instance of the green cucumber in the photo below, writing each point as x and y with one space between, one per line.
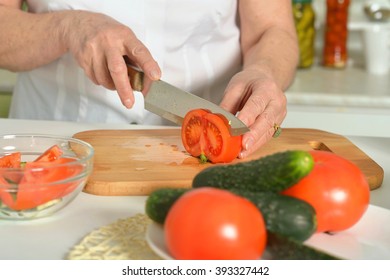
275 172
286 215
283 214
160 201
284 248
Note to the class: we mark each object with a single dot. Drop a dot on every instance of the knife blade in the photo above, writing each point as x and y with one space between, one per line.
173 104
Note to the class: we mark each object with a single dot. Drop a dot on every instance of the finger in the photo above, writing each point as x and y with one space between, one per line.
253 108
260 132
267 96
118 72
263 129
95 67
102 73
88 69
232 97
140 55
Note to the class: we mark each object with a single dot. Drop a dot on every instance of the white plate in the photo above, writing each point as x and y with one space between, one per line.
368 239
155 239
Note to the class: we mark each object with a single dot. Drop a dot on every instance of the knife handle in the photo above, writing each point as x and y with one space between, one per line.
136 77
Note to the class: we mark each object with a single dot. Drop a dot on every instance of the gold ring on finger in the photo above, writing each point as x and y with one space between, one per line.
278 131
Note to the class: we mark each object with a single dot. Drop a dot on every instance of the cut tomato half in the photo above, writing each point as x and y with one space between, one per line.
207 134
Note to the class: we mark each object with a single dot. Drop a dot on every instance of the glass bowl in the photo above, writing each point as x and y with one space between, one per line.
34 186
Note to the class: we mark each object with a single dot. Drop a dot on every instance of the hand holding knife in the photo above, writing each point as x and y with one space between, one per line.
173 103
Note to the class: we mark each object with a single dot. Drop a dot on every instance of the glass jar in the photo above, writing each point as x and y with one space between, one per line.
304 17
336 31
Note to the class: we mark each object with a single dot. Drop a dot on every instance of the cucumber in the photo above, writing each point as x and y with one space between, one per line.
275 172
286 215
284 248
283 214
160 201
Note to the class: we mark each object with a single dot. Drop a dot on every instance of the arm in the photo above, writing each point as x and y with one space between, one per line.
268 39
97 42
270 57
30 40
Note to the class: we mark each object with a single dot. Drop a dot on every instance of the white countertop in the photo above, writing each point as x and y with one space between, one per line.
352 87
53 237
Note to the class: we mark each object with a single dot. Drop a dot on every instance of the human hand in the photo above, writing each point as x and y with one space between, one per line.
99 44
261 105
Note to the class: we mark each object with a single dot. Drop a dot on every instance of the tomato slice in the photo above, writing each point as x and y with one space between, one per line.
192 131
11 160
45 175
51 154
5 197
208 134
8 161
50 167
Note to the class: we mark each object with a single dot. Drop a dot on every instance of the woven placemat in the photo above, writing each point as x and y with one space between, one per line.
121 240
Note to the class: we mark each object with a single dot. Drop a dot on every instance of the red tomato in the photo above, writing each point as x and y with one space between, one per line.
43 173
46 173
50 154
11 160
47 168
5 196
336 188
8 161
208 134
211 224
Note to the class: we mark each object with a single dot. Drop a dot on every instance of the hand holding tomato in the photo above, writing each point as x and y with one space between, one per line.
261 103
214 224
336 188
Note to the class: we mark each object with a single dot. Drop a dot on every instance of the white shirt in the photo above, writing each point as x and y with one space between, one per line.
195 42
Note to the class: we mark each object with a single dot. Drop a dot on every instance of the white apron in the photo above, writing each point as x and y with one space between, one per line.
195 42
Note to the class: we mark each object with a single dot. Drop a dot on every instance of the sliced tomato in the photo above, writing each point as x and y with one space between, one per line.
11 160
8 162
207 134
7 177
51 154
192 131
5 196
39 186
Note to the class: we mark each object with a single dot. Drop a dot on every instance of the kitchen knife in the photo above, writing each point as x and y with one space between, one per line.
173 103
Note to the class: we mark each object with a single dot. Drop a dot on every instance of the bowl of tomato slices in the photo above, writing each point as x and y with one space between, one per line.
41 174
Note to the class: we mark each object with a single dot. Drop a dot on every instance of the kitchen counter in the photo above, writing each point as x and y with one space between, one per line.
340 100
352 87
53 237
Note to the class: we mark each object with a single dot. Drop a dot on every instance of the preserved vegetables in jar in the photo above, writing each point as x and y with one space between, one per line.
336 32
304 17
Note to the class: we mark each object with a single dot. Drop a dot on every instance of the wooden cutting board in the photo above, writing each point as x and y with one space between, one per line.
136 162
